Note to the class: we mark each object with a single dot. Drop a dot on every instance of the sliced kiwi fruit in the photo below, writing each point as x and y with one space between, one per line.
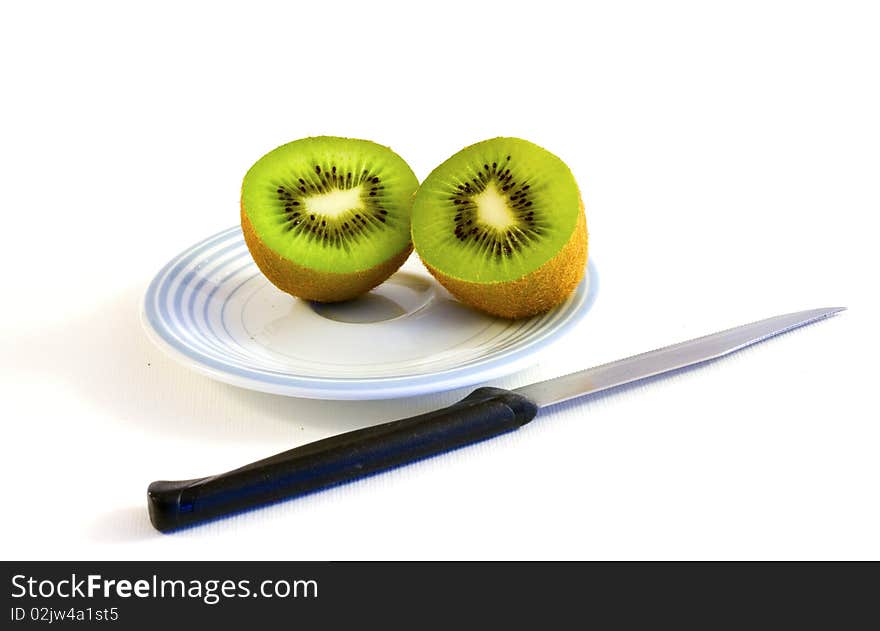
501 225
327 218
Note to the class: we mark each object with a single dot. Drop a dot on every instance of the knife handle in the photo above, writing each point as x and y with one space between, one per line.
484 413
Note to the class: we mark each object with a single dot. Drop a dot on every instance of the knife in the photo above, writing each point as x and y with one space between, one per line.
484 413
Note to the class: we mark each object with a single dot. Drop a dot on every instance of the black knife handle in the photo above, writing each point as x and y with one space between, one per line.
484 413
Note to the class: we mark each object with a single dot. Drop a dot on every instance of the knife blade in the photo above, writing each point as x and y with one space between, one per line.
668 358
483 414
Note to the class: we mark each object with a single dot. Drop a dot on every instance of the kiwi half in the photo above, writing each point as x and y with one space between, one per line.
501 225
328 218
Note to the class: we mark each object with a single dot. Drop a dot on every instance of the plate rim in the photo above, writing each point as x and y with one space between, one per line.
354 388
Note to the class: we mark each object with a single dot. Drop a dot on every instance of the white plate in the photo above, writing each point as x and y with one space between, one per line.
212 309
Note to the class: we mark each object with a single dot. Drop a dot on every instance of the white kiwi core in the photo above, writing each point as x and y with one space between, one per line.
492 208
335 203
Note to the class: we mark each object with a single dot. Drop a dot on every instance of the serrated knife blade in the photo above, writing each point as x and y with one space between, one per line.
668 358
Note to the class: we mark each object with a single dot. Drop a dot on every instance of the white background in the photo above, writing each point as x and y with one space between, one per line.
728 156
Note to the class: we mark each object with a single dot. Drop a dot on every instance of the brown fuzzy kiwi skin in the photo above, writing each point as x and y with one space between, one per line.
312 284
532 294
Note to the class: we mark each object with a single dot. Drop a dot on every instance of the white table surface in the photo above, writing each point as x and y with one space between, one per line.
729 163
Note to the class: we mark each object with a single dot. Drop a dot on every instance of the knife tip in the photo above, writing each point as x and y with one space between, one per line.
828 312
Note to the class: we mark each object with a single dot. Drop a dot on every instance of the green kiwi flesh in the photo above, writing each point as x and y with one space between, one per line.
325 211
